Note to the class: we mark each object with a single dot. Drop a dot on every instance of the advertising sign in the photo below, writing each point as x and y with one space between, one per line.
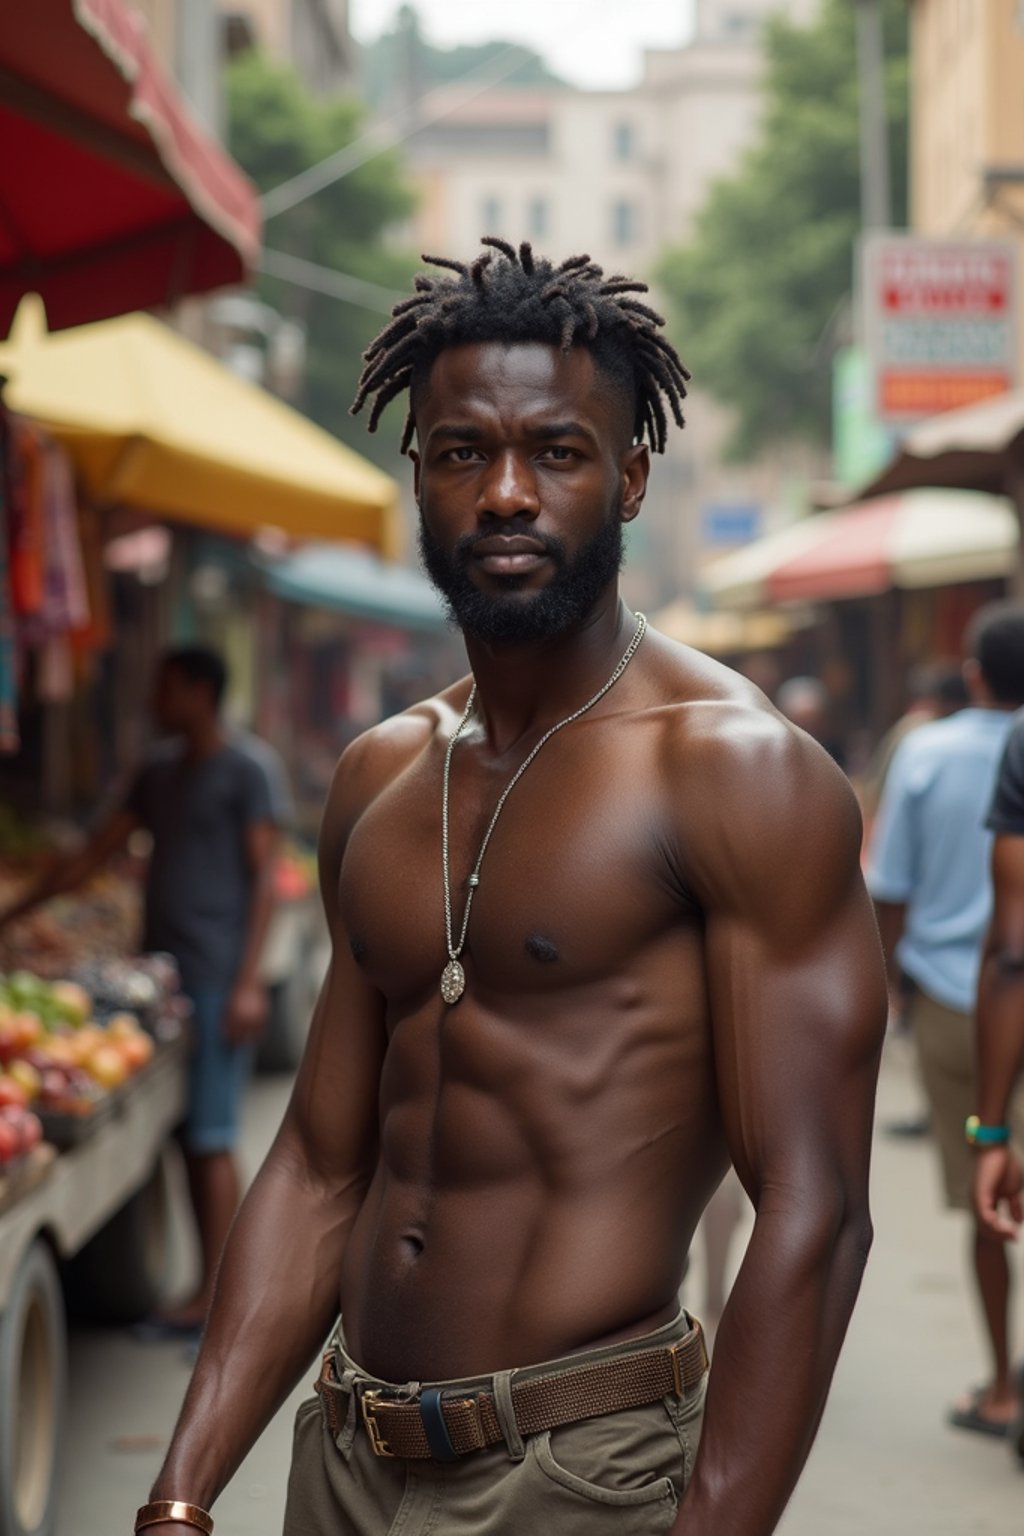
725 524
939 322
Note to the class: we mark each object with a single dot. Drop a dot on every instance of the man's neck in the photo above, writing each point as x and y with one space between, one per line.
204 740
524 688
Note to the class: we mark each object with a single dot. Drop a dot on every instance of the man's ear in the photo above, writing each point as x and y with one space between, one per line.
636 466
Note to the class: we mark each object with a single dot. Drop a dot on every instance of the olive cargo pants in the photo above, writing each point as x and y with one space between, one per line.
623 1473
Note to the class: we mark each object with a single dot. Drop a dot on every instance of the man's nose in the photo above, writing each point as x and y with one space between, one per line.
509 489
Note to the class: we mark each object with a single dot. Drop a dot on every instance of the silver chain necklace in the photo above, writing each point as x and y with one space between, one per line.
453 977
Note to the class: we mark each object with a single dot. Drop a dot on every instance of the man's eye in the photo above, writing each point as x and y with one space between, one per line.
462 455
560 453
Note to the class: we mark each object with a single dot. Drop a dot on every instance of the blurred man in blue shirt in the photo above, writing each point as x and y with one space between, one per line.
929 875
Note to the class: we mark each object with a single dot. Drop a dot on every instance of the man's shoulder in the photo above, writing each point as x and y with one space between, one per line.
713 715
727 750
160 758
377 756
759 814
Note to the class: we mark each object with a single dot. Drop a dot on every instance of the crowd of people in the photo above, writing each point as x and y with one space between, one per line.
943 801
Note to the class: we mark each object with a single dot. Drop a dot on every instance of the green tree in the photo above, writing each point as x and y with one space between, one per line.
276 129
758 292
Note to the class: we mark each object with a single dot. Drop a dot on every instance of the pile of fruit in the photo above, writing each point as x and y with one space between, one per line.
103 919
20 1129
55 1054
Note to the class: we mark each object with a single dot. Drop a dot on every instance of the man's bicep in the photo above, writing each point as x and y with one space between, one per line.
262 839
333 1108
797 1031
795 978
1008 884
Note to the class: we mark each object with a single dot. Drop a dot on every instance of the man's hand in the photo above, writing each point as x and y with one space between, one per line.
245 1018
998 1178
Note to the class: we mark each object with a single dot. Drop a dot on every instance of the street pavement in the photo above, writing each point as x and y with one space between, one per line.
884 1462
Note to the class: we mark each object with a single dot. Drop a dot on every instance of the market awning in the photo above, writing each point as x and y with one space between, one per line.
153 422
920 538
726 633
976 448
112 197
353 582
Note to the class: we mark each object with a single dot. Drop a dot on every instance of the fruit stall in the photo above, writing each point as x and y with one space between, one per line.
92 1085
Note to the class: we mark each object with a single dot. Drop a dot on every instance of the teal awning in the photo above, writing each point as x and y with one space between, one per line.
357 583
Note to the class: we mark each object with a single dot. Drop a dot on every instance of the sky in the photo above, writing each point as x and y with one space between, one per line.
595 43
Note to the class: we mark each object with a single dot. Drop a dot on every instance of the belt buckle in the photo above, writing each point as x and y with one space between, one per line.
369 1402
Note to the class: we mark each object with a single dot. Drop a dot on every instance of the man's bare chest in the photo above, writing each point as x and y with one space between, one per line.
575 879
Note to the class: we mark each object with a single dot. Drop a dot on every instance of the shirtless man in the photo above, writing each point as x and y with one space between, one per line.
669 961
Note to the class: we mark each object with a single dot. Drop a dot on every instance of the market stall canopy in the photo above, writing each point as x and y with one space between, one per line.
353 582
920 538
724 632
153 422
112 197
977 448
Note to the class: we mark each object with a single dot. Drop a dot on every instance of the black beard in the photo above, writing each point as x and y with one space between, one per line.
507 620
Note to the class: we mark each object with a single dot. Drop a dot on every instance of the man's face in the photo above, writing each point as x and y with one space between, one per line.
524 475
175 700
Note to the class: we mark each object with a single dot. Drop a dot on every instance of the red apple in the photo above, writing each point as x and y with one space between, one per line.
31 1131
11 1092
10 1141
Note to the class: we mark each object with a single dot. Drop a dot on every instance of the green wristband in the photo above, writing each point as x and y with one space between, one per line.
979 1135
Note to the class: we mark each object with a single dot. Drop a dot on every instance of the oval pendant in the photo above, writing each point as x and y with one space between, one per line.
453 982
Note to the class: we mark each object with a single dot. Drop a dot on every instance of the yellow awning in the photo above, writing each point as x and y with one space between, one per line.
153 421
725 634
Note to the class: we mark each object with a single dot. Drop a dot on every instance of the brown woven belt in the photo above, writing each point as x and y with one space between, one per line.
446 1423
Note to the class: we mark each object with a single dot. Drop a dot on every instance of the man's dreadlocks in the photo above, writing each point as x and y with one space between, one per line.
518 297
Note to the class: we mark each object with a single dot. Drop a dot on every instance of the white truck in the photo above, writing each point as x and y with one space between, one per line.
85 1228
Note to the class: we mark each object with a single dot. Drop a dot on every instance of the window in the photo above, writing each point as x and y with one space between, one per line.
537 217
623 223
624 141
490 216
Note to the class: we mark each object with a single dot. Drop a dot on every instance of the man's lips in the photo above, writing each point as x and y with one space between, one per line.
509 556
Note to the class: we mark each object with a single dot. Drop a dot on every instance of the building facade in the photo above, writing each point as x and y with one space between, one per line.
311 35
967 122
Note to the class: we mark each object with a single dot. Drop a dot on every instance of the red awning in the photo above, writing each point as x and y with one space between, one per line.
112 197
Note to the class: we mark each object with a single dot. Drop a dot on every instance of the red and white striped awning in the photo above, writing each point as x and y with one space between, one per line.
918 538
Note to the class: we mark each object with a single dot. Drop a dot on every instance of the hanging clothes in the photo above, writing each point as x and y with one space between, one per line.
26 515
9 740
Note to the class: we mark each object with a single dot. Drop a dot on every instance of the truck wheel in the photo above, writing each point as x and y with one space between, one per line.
121 1274
33 1392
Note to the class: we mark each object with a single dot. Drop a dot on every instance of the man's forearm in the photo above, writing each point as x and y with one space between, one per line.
1000 1031
775 1353
275 1301
71 870
63 874
261 909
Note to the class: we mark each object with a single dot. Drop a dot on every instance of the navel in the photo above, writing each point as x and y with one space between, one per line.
540 947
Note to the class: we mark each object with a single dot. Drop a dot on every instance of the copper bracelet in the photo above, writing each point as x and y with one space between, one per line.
175 1510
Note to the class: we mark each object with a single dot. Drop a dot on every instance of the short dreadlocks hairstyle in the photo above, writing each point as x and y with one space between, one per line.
509 295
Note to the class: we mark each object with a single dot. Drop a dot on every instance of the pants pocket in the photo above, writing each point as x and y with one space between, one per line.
623 1472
